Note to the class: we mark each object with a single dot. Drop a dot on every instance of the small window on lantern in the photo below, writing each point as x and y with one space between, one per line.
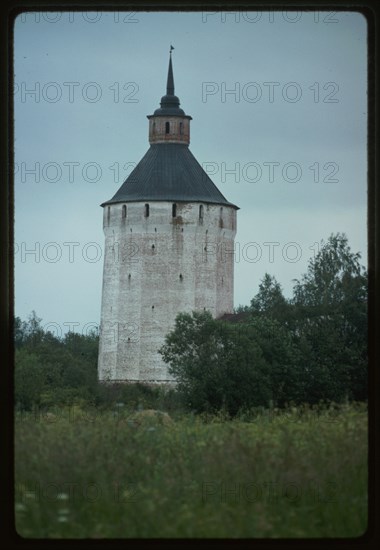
167 127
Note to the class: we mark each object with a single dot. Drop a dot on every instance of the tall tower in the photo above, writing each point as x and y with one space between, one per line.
169 241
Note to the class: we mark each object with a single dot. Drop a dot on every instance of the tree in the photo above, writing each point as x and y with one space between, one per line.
217 365
29 380
19 332
287 381
33 330
334 276
269 301
330 322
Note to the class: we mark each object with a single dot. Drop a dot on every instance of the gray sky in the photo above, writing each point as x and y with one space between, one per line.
279 111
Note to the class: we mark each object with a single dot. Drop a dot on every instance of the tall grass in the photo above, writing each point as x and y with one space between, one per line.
294 473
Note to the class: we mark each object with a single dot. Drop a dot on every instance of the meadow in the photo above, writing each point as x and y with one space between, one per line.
91 473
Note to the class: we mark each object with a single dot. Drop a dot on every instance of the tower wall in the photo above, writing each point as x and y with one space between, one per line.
156 266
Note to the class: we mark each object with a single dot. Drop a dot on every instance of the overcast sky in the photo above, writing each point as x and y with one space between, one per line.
279 111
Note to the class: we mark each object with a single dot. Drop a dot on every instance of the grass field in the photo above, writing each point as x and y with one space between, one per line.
298 473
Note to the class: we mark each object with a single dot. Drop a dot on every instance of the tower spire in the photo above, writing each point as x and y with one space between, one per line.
170 82
169 104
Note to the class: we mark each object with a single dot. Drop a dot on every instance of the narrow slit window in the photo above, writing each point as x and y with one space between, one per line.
154 128
174 210
147 210
124 210
167 127
201 212
108 214
181 128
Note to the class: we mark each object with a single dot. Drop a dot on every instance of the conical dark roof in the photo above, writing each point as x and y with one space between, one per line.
169 172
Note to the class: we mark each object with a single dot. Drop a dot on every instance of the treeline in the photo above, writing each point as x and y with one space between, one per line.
274 352
53 371
308 349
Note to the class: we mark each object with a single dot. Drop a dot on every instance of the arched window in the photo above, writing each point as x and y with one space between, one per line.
201 212
154 128
146 211
167 127
124 211
108 214
181 128
174 210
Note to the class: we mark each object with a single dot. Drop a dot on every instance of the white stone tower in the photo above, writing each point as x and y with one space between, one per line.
169 241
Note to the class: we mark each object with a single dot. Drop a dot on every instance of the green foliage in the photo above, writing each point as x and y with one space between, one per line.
308 349
29 379
269 301
334 277
217 365
51 370
283 357
230 367
329 322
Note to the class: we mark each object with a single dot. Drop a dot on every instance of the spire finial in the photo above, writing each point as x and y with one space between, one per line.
170 82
